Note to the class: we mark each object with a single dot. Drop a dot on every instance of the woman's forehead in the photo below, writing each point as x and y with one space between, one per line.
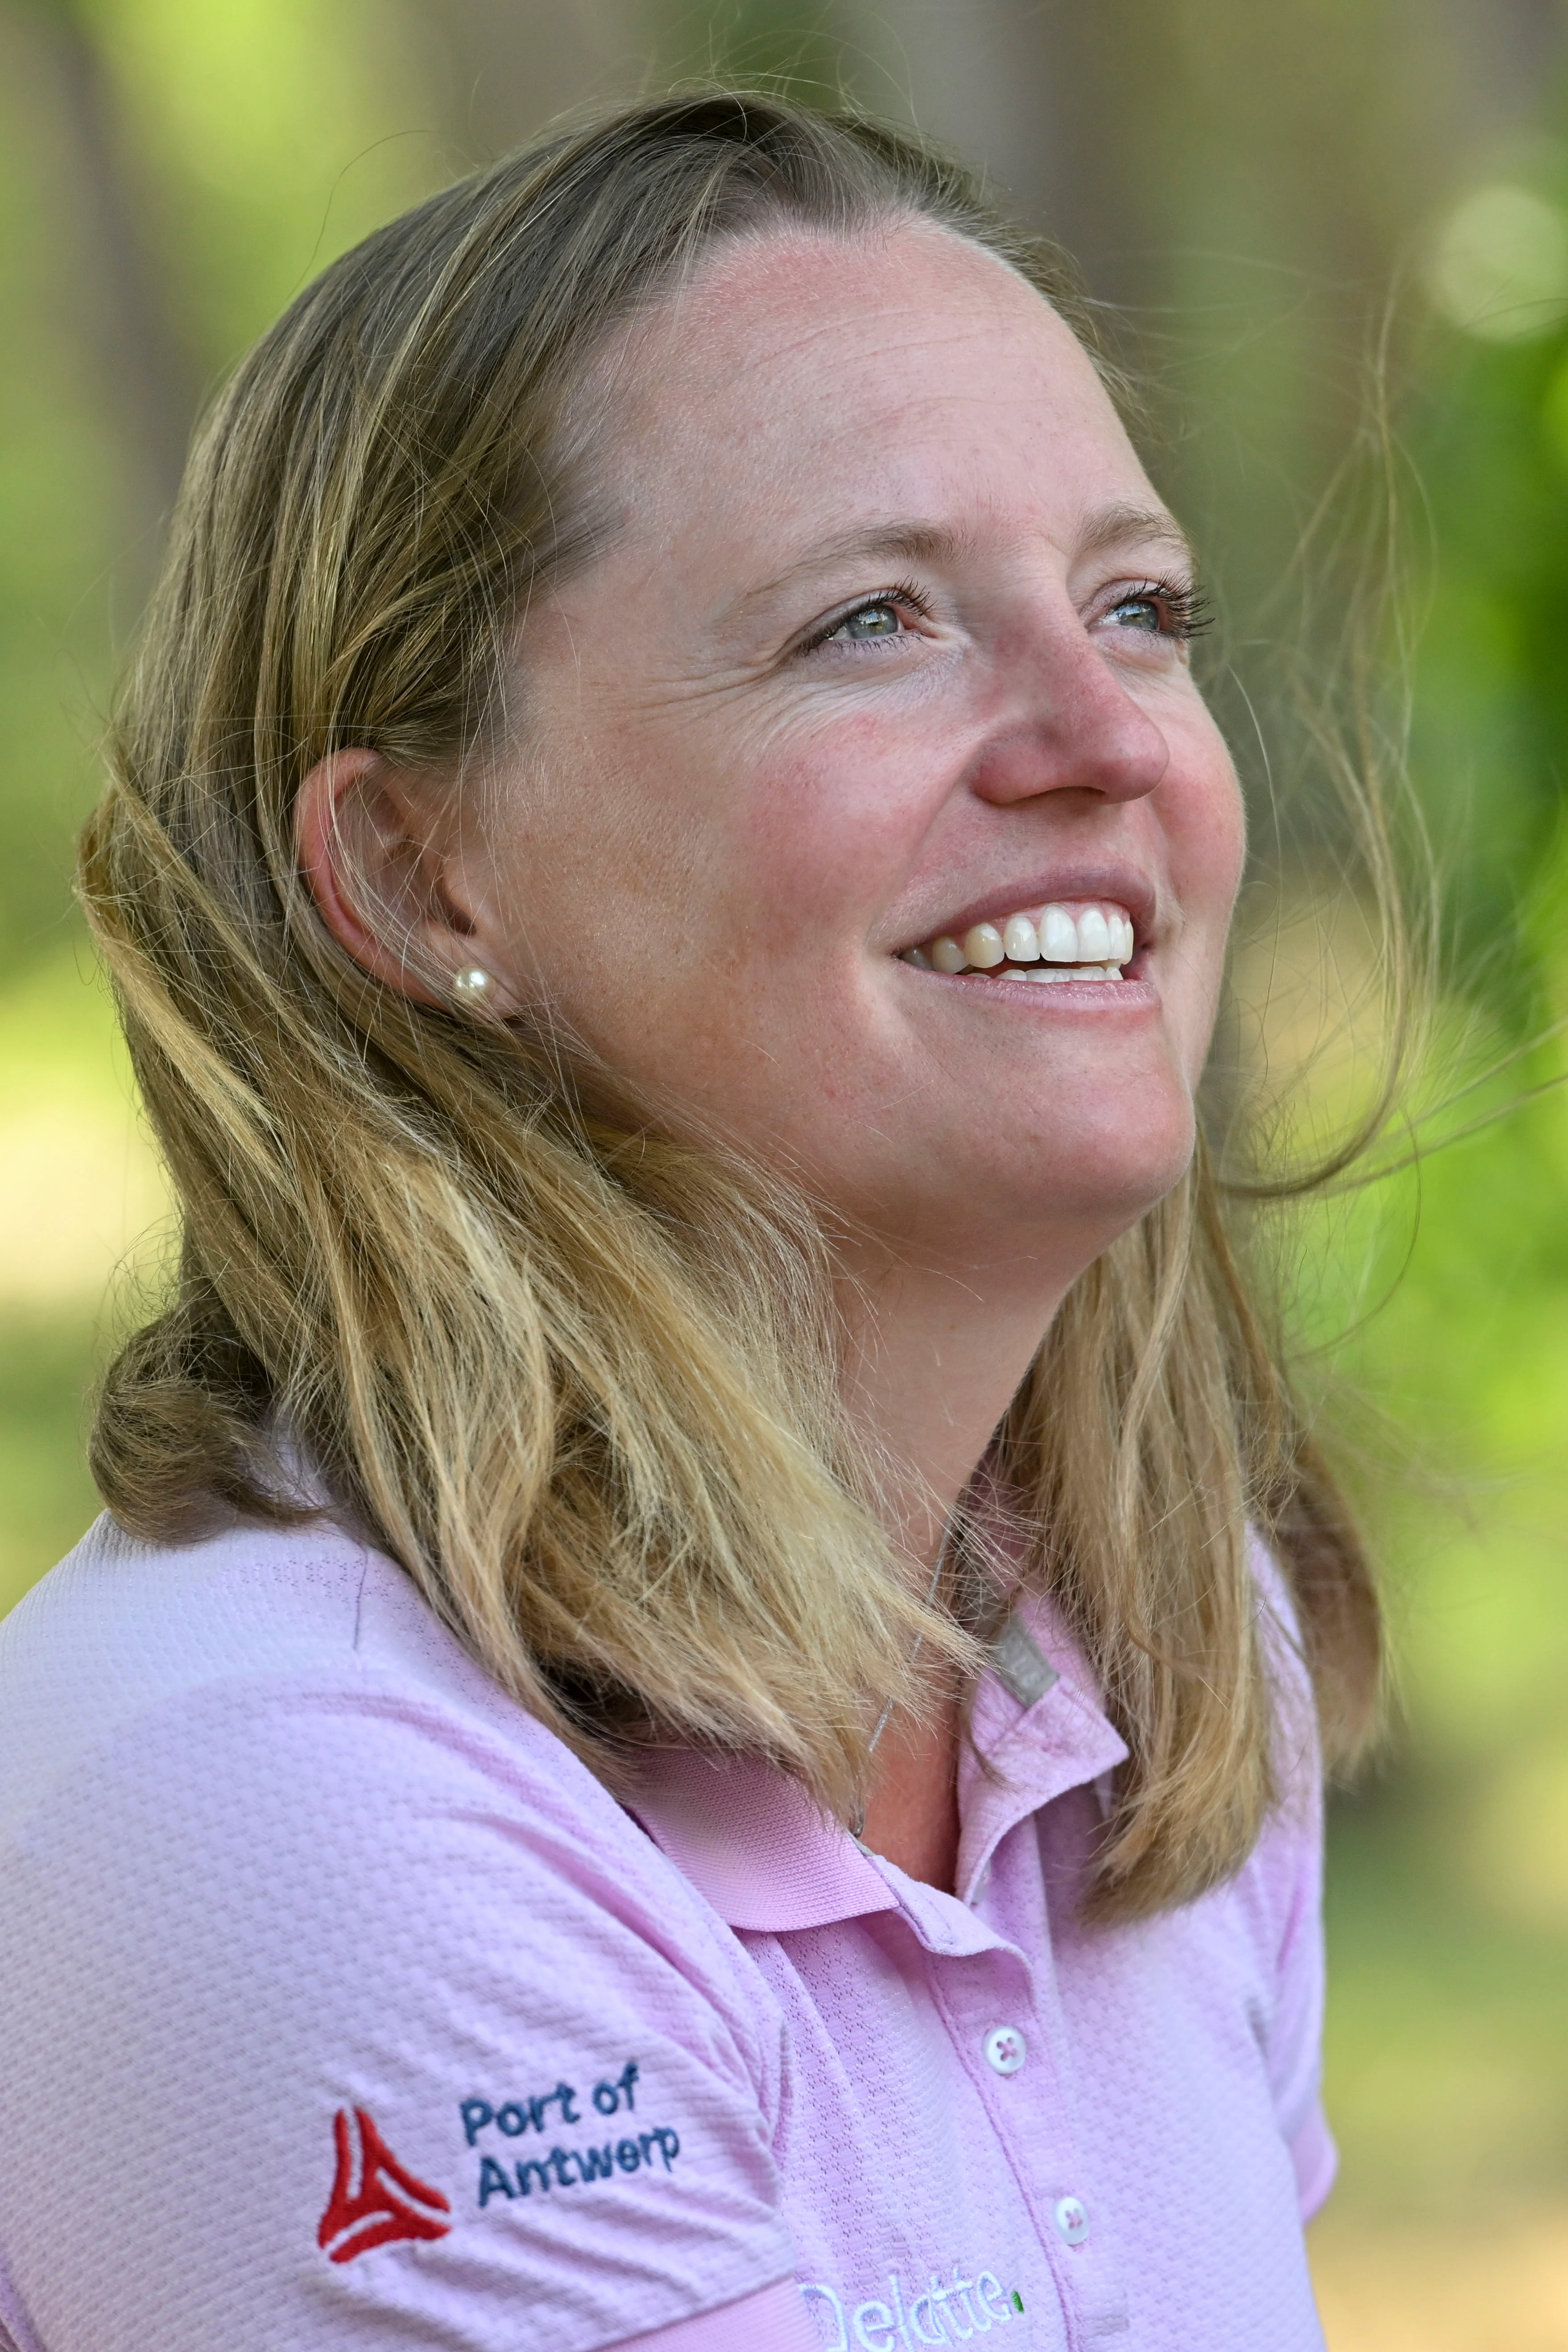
793 308
796 366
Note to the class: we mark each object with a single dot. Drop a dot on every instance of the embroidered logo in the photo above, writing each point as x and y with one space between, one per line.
970 2307
374 2199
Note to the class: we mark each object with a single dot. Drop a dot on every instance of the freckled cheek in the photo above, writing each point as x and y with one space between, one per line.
823 833
1206 827
1205 832
1232 834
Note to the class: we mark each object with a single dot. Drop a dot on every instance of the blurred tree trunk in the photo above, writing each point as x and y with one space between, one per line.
509 65
1063 107
116 292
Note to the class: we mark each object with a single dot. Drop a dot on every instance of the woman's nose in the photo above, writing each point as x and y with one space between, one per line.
1069 724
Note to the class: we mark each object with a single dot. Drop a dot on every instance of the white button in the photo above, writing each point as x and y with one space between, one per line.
1071 2220
1006 2049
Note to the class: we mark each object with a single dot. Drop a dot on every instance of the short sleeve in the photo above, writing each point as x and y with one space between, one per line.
1295 2049
332 2022
1291 1864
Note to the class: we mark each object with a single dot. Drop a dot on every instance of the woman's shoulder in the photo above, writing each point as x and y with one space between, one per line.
282 1874
149 1616
122 1628
277 1716
260 1648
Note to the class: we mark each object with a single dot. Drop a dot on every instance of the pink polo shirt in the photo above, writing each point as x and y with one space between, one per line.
344 2007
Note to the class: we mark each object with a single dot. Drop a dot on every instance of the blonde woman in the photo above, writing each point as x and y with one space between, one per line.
675 1736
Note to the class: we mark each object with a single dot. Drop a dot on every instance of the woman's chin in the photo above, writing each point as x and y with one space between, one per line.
1061 1209
1112 1156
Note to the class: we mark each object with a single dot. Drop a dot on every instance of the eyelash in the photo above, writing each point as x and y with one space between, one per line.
903 592
1186 608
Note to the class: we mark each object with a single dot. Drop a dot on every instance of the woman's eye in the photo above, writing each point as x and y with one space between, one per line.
1140 612
1165 608
870 621
891 615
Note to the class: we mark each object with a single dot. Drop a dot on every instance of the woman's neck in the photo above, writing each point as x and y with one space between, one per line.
934 1359
911 1807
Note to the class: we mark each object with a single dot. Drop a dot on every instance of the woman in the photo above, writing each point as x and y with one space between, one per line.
675 1736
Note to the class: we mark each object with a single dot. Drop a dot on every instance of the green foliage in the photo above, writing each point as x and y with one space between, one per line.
1488 440
62 510
270 134
46 1362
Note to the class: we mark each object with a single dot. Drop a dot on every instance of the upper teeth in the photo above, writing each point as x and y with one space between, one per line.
1054 934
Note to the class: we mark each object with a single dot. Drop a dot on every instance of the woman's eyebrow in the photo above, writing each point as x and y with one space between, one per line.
1120 522
930 543
898 542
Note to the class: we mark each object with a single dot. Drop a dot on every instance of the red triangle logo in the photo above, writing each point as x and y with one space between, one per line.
374 2199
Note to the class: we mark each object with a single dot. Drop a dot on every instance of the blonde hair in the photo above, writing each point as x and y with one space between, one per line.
578 1379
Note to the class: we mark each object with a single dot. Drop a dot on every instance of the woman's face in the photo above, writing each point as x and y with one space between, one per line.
886 647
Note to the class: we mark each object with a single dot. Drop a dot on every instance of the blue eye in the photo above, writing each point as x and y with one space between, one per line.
886 615
870 621
1161 608
1139 613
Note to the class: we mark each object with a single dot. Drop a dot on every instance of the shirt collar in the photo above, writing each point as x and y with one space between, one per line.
752 1843
1024 1754
751 1839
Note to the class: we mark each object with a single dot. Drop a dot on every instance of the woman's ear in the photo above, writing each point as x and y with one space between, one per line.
385 885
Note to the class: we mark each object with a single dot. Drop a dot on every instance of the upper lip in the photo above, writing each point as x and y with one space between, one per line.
1116 886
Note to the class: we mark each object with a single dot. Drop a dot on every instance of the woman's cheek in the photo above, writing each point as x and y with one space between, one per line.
1209 828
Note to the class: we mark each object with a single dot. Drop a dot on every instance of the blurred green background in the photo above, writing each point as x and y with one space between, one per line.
1261 198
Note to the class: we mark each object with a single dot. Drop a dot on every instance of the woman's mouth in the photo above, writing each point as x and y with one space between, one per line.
1083 939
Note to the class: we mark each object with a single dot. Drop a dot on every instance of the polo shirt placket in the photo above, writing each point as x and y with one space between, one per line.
782 1877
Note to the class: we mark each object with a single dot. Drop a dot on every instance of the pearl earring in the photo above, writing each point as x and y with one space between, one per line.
472 985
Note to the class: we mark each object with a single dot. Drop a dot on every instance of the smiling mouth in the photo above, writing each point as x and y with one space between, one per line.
1091 941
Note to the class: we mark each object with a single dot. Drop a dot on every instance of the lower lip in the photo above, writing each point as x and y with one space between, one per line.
1132 993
